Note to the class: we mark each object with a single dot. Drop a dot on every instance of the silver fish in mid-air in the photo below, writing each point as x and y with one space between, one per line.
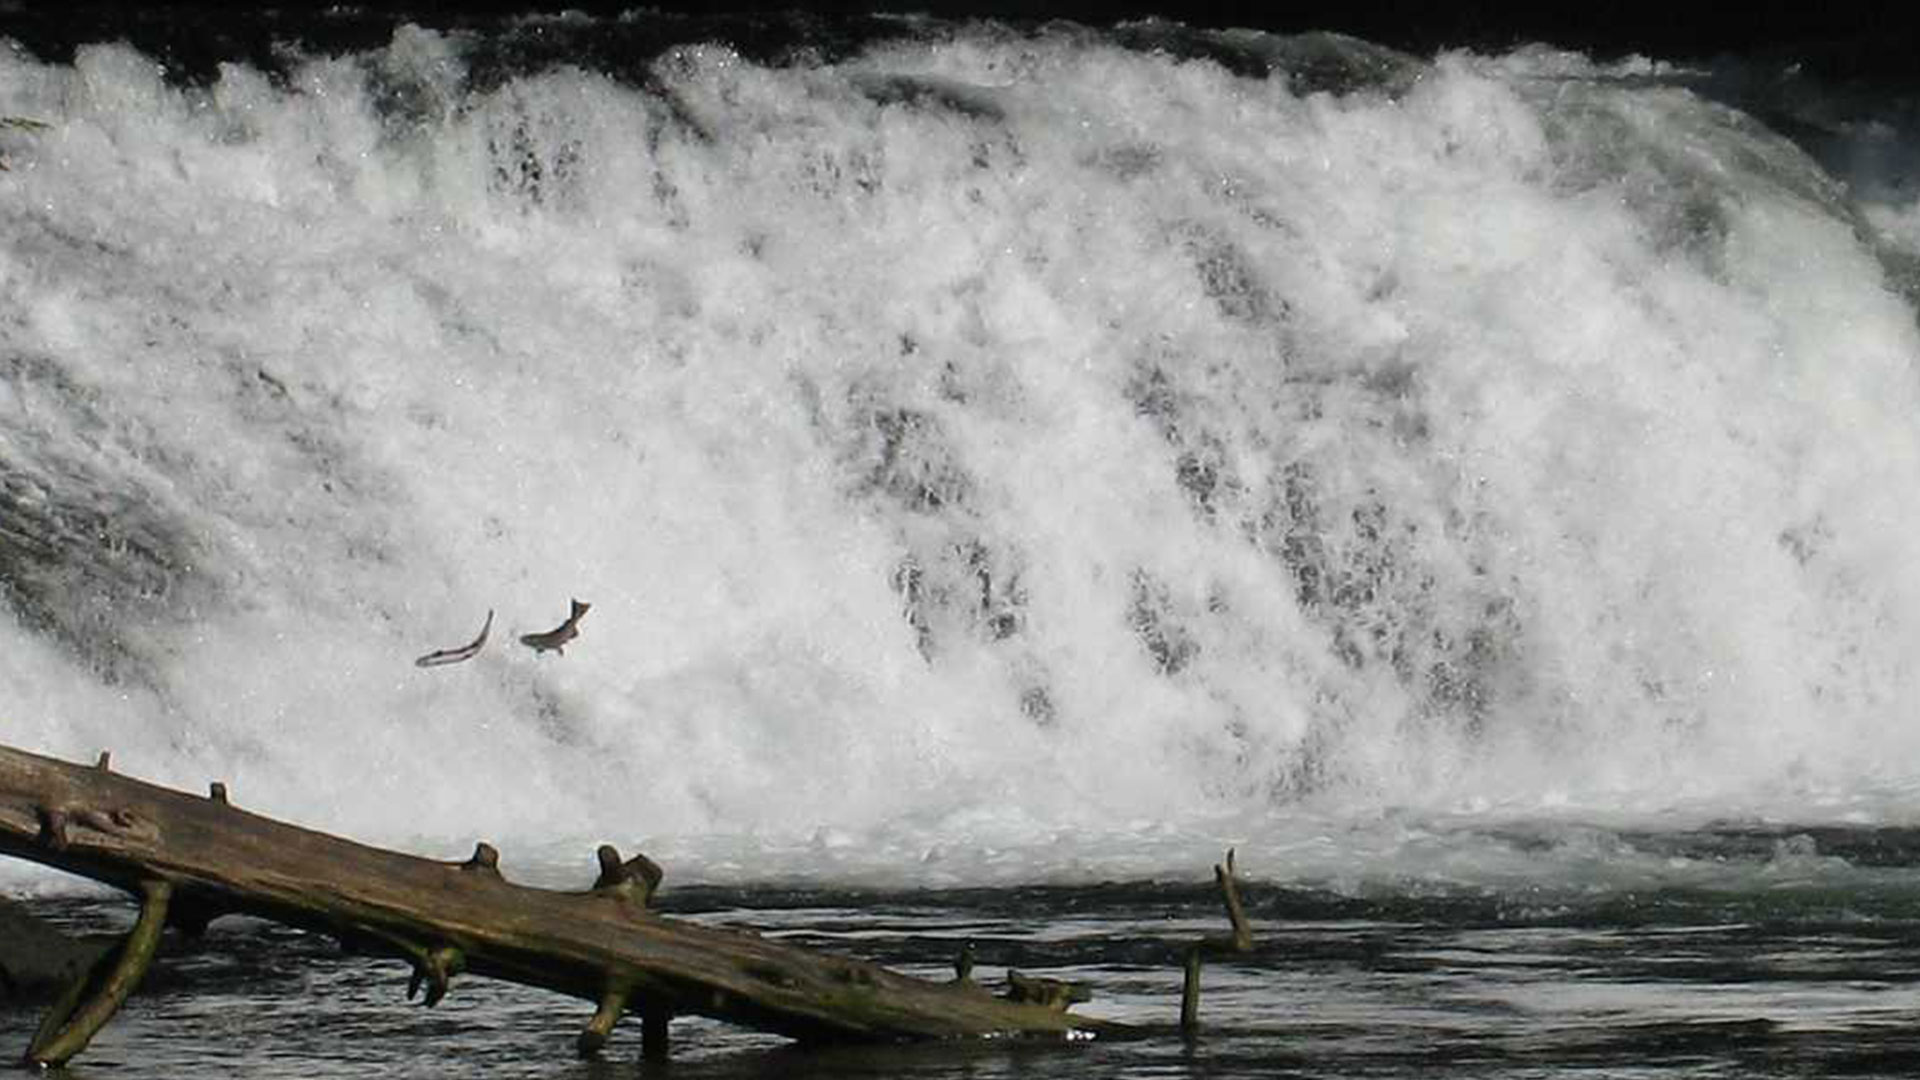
464 652
559 635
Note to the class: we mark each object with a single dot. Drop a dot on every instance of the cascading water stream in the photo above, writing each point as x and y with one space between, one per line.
980 443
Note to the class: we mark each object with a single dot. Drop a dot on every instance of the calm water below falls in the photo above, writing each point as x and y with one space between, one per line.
1789 959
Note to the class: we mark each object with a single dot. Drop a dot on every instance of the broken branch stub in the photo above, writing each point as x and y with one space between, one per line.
484 860
1238 940
1241 939
635 880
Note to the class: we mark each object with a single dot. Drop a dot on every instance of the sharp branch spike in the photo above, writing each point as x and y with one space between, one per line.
1241 939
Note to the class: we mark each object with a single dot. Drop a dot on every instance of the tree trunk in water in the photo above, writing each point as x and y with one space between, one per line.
194 858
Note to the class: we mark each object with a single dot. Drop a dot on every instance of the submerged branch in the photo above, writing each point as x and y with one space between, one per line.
70 1025
1239 940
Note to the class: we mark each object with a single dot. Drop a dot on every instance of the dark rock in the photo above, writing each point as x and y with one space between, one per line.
37 961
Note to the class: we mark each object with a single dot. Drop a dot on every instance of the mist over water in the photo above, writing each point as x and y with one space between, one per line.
986 454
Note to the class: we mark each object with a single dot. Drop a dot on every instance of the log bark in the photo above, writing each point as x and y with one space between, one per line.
205 857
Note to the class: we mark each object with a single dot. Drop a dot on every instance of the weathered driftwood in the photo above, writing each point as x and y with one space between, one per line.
1238 940
194 858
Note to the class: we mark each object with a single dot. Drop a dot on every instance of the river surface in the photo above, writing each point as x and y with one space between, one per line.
1807 967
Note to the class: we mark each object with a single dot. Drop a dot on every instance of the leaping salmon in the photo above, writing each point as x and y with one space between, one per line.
464 652
559 635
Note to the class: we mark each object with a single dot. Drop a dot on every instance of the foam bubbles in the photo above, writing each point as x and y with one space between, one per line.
974 442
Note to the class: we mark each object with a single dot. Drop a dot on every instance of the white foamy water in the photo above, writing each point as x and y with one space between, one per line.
1013 455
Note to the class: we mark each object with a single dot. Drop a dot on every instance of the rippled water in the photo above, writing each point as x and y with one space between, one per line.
1812 973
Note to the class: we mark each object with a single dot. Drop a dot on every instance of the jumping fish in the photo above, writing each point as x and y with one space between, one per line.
464 652
559 635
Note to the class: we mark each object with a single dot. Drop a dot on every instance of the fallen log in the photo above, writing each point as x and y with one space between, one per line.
194 858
